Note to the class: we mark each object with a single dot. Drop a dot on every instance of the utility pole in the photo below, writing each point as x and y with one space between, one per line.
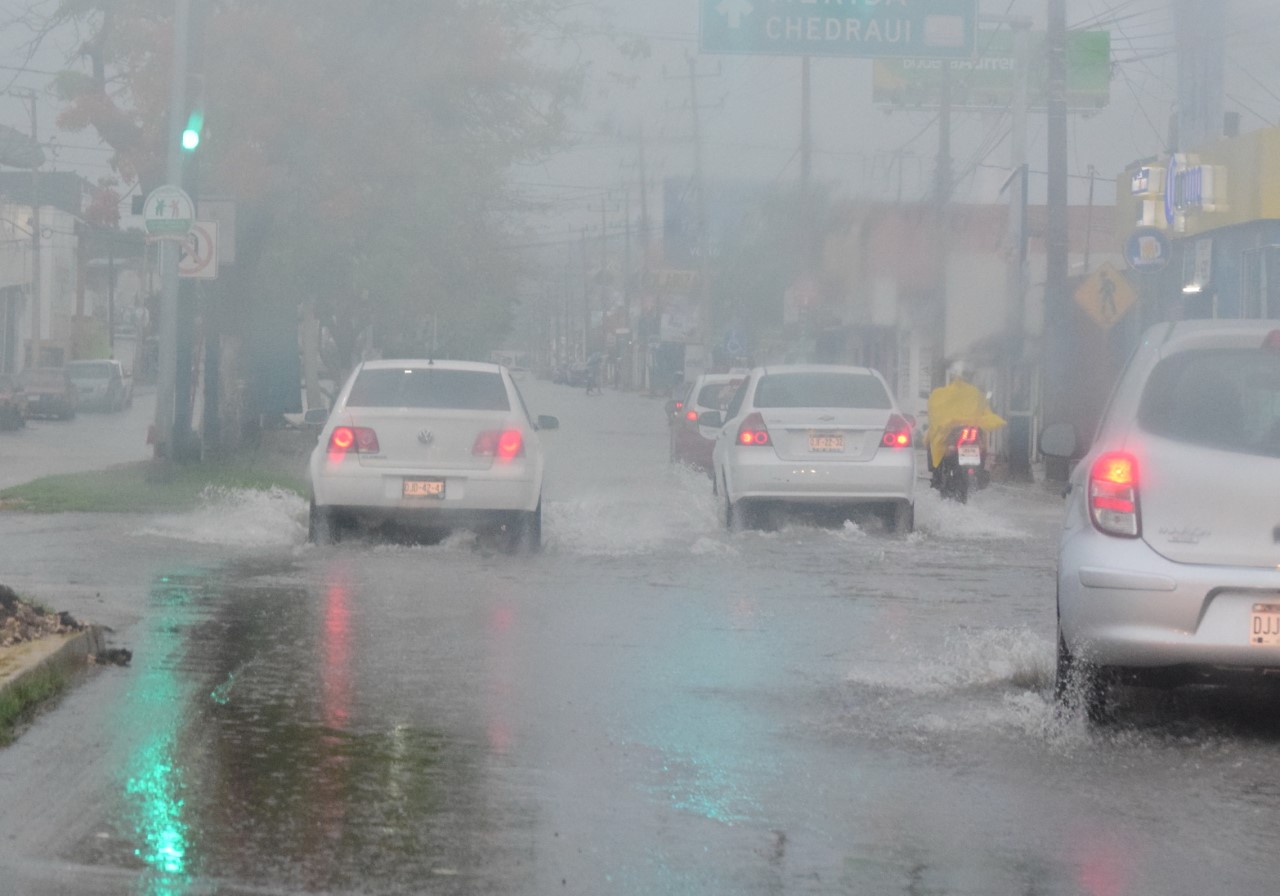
942 187
704 247
806 127
1201 33
1057 369
166 376
37 284
1016 387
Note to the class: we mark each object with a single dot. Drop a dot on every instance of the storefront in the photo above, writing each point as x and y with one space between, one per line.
1215 217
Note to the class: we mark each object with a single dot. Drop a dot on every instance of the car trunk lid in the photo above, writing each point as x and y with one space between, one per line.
850 435
1209 506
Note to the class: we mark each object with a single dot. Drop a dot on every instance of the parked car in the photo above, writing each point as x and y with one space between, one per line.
826 436
13 403
432 444
50 392
102 383
1169 559
690 442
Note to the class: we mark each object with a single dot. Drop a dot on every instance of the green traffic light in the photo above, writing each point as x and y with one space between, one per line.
191 133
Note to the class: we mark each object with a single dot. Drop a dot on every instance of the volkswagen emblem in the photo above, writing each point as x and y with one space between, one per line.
425 436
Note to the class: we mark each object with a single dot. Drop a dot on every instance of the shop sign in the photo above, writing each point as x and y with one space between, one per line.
1187 188
1147 249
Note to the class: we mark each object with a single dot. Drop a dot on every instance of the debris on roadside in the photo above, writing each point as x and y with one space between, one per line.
21 621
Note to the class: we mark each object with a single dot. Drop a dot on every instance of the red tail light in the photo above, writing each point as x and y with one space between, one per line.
1113 495
691 416
897 433
357 439
1271 342
969 435
753 431
502 444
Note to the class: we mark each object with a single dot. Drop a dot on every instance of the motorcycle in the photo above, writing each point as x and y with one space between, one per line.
963 465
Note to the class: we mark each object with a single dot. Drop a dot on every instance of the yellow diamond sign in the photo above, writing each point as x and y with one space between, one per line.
1106 295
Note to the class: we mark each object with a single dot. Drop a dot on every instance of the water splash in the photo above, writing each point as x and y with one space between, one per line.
237 518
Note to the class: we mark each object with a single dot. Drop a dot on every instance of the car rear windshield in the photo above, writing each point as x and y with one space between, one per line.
43 378
426 387
821 390
716 395
1221 398
91 370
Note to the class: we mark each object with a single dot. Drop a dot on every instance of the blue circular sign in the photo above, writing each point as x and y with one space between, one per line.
1147 249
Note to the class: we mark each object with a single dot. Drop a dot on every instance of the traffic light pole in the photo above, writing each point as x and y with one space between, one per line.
165 437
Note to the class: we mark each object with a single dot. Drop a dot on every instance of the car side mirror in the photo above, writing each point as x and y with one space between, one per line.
711 418
546 421
315 416
1059 441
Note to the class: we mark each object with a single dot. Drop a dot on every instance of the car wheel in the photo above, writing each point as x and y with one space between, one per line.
523 532
1079 685
731 518
321 525
902 517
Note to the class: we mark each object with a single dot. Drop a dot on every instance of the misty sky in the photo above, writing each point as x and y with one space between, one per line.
751 121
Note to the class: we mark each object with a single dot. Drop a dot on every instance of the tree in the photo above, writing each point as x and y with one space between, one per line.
365 143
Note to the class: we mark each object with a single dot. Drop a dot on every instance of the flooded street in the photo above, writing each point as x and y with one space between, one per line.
650 705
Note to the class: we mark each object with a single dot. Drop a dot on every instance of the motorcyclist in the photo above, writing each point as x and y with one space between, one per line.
958 403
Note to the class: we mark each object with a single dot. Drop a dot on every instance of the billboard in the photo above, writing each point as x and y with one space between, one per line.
988 80
858 28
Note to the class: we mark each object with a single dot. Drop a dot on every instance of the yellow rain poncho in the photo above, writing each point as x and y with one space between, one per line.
957 404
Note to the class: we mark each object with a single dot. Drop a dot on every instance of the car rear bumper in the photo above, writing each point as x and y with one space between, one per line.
890 476
1131 607
463 493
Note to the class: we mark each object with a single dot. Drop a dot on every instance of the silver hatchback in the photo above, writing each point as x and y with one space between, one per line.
1169 559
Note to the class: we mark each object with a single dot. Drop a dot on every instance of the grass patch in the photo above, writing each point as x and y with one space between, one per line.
152 486
22 701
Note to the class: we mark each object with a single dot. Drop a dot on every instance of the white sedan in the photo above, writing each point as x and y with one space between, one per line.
814 435
433 444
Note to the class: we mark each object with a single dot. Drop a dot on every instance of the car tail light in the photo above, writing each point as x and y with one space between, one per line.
753 431
897 433
1113 495
691 416
1271 342
357 439
503 444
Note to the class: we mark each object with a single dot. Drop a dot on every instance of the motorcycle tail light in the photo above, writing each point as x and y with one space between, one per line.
897 433
753 431
1113 495
969 435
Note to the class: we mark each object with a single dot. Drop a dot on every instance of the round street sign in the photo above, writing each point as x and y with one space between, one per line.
1147 249
168 212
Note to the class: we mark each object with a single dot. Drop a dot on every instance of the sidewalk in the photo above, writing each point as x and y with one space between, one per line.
22 665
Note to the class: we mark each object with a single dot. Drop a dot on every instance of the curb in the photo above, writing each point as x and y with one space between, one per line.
65 653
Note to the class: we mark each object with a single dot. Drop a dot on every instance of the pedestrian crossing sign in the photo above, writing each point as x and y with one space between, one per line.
1106 295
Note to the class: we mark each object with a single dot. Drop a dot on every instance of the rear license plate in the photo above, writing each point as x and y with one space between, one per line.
424 488
970 455
1264 625
826 442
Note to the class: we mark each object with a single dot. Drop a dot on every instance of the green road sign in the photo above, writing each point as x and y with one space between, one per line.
856 28
987 80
